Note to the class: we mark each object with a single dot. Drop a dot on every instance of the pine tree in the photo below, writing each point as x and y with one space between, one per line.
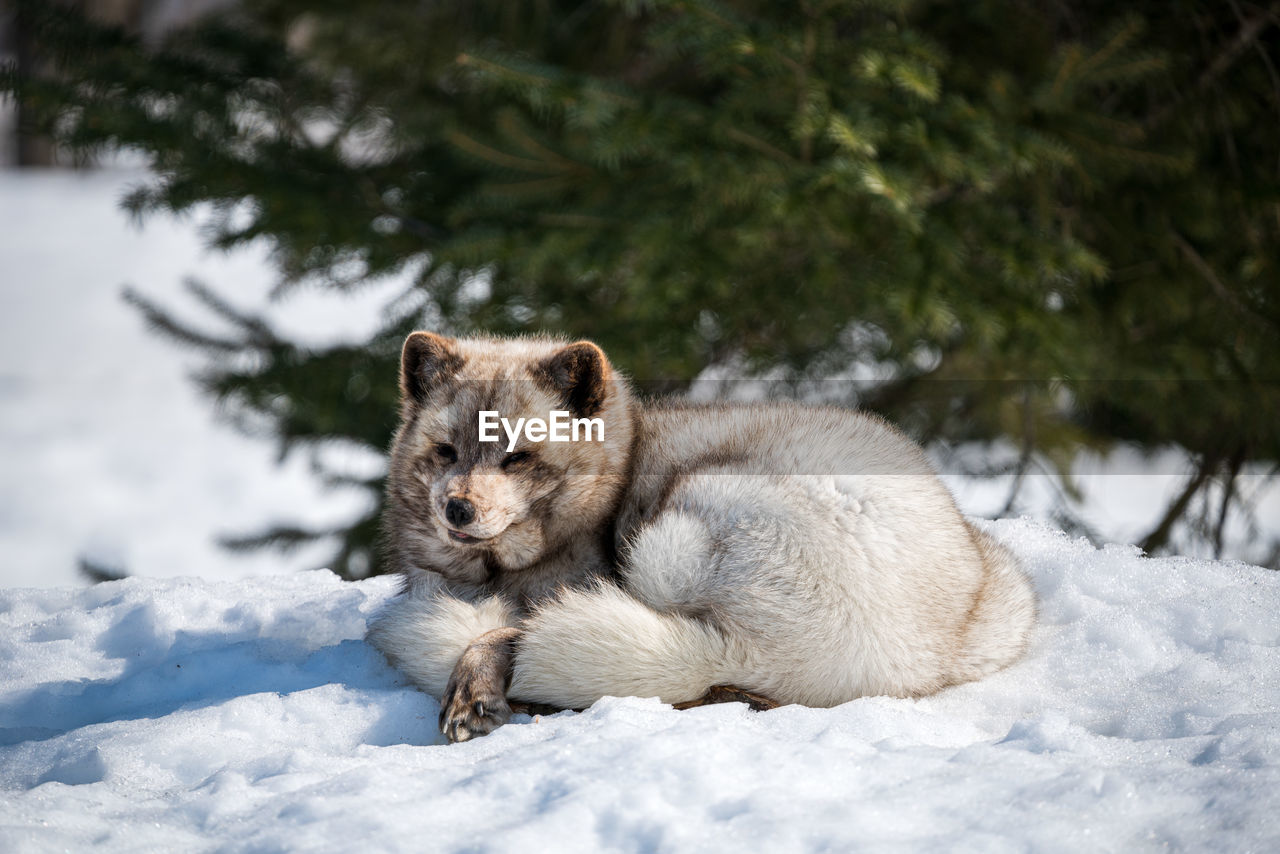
1053 225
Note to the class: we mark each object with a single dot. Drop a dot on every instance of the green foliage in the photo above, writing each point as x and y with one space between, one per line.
1054 224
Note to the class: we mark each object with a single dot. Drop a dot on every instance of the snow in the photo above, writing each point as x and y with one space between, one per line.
249 715
107 449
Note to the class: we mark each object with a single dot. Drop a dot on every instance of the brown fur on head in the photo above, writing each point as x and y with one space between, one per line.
478 513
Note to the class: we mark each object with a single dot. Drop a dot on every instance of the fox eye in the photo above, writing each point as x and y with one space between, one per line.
515 459
447 452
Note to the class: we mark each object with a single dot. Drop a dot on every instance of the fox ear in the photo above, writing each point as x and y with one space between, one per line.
580 374
426 361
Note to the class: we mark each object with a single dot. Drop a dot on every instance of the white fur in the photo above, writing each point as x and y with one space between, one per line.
676 550
773 577
601 641
425 631
1000 623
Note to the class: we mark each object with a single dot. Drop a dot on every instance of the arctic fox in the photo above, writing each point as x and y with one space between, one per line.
803 554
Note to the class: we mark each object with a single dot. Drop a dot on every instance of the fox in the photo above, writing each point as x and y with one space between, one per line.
775 553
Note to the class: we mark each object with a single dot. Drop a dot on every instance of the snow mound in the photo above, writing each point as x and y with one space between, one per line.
250 716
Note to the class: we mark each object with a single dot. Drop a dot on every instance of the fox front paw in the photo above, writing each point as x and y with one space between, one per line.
470 709
475 700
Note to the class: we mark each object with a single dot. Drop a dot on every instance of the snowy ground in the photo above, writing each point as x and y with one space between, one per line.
250 716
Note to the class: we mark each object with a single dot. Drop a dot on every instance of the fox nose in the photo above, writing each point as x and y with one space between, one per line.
459 512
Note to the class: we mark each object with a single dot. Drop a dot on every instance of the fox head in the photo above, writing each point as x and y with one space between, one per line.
472 509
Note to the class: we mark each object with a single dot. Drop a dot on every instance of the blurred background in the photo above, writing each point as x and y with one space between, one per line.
1041 236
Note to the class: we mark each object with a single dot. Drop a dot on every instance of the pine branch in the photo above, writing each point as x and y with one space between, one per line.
1025 455
1249 34
161 322
501 158
509 123
1262 54
760 145
1228 495
258 334
1207 273
97 572
1159 535
283 538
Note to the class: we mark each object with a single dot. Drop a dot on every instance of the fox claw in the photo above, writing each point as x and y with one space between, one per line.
475 701
462 717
